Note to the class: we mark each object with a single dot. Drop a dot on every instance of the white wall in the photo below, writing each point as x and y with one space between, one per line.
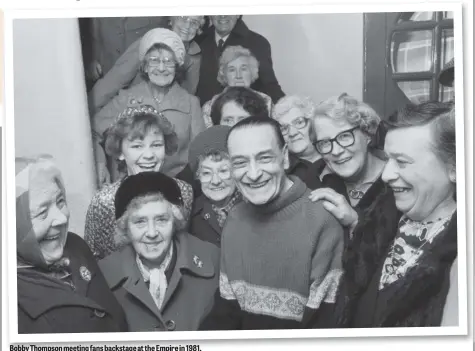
50 105
318 55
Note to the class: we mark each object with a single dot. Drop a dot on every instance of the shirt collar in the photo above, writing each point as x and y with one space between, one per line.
217 37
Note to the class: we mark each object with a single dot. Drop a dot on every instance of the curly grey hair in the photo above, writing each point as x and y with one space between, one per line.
350 109
230 54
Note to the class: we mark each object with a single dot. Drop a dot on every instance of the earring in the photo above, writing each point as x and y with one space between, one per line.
452 178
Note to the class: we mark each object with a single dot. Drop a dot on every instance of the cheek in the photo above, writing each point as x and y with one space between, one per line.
40 227
160 153
167 231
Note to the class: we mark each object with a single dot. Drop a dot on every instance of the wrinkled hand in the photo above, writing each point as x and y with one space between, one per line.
94 71
337 205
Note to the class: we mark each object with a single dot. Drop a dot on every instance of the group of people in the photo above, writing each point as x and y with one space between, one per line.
225 204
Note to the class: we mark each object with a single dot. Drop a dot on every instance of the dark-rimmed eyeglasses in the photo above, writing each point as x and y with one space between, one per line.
344 139
299 123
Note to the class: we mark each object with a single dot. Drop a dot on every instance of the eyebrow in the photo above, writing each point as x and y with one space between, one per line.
399 154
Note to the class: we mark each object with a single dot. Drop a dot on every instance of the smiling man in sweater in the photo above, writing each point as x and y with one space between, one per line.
281 253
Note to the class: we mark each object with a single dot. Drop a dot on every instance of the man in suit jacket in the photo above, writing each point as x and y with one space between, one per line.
228 30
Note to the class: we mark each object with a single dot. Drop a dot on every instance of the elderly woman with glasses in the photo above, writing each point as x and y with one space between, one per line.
347 132
211 164
164 278
162 58
295 116
126 70
238 67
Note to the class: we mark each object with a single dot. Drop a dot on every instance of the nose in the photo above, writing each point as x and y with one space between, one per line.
59 218
186 25
389 172
147 153
215 180
152 231
293 131
238 73
254 172
337 149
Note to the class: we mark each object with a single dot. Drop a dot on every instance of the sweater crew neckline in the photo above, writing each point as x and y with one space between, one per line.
295 192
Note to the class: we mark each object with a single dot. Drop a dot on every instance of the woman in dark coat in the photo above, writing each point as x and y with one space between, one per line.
60 286
210 163
163 277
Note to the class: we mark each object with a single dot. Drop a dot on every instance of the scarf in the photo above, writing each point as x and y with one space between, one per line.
222 212
156 277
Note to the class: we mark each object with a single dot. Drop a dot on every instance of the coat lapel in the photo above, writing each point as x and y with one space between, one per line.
176 99
205 211
187 260
135 284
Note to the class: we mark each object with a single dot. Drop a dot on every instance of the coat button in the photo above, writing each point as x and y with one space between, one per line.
99 314
207 216
171 325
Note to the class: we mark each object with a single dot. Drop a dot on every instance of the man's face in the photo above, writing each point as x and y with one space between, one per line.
224 24
258 163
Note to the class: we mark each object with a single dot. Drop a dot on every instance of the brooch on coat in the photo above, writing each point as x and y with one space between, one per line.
197 261
85 273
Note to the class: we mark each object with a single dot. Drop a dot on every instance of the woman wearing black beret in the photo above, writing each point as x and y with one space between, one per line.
164 277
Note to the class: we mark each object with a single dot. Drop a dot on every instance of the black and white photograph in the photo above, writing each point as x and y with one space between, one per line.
220 174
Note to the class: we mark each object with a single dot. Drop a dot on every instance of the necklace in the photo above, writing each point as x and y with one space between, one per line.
157 100
415 252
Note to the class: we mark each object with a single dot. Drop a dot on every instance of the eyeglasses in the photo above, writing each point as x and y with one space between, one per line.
206 176
299 123
193 23
344 139
155 62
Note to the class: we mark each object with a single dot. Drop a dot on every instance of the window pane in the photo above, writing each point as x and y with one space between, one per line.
411 51
447 50
416 91
416 16
446 93
448 14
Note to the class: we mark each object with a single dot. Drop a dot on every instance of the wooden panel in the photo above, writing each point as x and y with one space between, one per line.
374 61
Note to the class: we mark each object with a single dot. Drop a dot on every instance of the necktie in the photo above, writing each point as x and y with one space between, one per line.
220 45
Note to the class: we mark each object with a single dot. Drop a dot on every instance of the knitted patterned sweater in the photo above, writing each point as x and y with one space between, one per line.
280 265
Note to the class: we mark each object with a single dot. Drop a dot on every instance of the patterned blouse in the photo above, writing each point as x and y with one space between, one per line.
412 241
209 104
100 217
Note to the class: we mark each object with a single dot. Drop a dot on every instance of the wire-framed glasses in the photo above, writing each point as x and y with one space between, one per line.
195 24
155 61
207 176
299 123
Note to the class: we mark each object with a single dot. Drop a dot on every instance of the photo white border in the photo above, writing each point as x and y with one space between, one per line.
9 161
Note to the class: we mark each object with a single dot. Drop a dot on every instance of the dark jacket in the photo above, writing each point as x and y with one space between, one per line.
418 298
204 223
367 247
192 280
308 172
49 305
209 86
